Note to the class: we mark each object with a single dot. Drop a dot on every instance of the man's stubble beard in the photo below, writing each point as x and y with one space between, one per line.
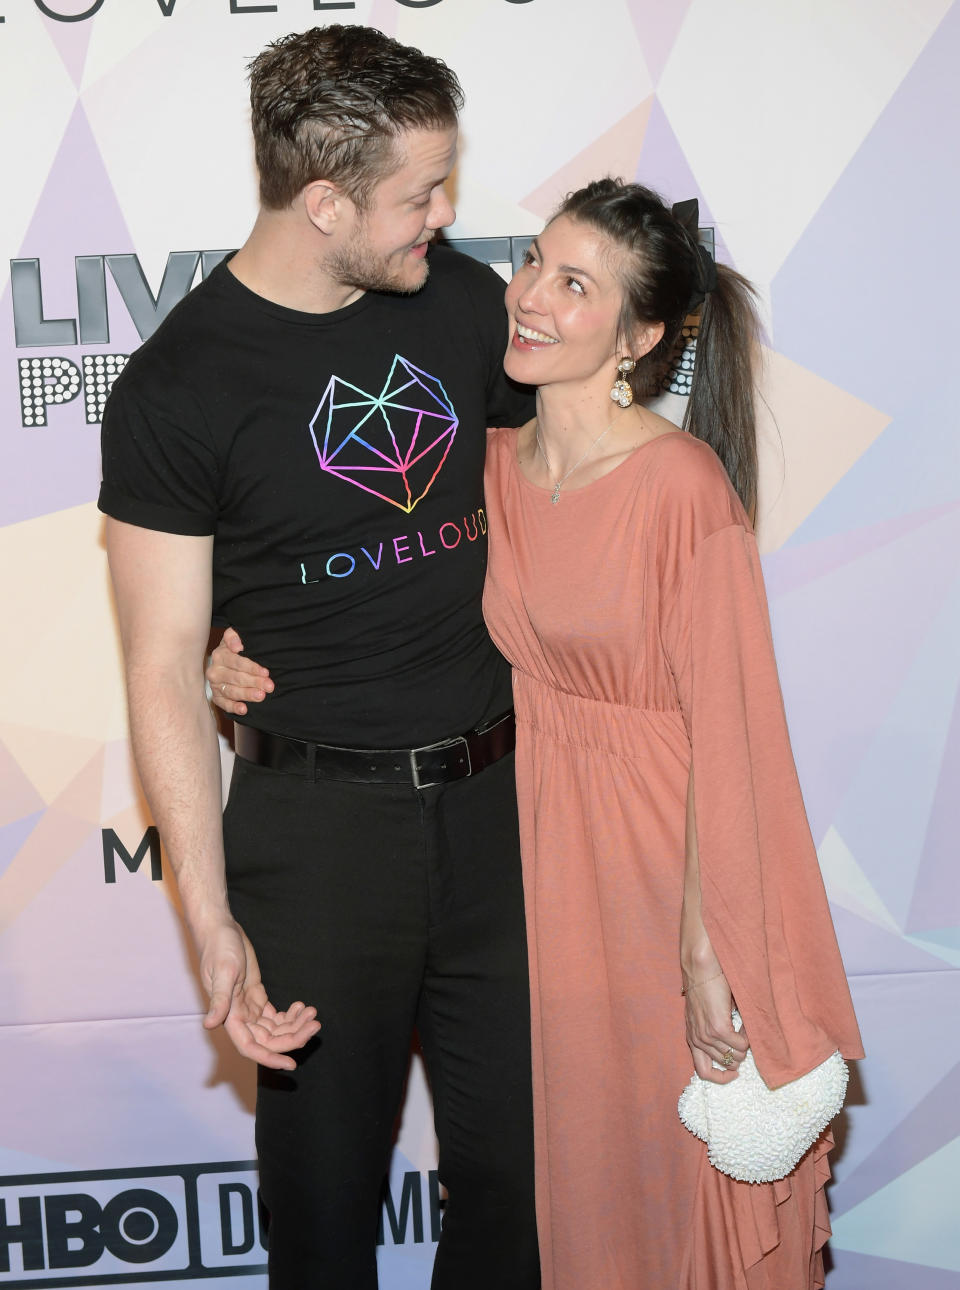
356 266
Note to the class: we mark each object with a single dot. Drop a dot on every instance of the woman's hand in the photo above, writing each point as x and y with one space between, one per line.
710 1032
234 680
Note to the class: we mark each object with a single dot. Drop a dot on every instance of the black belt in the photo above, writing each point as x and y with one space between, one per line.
438 763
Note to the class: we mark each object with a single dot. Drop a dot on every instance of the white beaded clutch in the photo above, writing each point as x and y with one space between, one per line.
755 1133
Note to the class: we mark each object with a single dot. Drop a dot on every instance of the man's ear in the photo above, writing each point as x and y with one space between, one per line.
326 205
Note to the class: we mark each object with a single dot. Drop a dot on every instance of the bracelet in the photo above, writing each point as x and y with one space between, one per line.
693 984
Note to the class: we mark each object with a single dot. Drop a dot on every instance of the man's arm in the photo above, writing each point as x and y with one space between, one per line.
162 583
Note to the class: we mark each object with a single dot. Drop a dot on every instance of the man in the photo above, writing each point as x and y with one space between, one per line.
298 451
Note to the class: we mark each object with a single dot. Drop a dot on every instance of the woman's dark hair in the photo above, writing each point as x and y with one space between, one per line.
661 269
329 103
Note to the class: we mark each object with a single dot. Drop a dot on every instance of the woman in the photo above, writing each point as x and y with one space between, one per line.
665 846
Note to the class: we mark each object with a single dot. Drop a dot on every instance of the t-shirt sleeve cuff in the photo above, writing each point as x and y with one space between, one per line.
148 515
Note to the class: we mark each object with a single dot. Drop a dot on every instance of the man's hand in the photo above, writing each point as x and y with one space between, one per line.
235 680
238 1001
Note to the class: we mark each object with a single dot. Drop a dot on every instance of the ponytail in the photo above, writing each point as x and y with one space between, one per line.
721 408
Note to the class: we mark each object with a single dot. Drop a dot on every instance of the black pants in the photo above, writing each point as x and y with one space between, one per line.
389 909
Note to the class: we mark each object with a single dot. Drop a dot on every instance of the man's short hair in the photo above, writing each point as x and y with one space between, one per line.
330 102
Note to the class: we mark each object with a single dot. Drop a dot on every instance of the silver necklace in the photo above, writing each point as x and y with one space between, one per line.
557 483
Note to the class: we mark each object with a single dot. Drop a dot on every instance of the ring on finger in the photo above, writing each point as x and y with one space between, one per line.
728 1058
223 688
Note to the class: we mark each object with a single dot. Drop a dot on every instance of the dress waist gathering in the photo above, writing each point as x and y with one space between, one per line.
619 729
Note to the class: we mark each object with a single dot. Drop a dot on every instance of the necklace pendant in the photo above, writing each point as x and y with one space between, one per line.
556 494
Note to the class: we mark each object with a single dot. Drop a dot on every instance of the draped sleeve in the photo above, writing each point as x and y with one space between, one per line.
763 901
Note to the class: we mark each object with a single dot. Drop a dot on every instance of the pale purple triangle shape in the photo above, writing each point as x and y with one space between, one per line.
868 948
56 466
13 836
18 794
657 23
887 833
794 566
72 40
663 166
864 298
927 1126
884 1092
865 1272
844 644
911 466
383 15
936 897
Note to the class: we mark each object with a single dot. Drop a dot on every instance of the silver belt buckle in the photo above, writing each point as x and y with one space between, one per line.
444 743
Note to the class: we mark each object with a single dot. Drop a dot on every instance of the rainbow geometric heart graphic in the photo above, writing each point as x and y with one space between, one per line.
392 444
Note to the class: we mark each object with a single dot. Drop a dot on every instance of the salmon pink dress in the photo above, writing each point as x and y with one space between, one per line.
634 615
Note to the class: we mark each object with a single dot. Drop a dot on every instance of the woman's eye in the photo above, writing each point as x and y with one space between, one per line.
576 286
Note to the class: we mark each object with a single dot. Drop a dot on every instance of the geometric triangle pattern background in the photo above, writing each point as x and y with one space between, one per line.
817 140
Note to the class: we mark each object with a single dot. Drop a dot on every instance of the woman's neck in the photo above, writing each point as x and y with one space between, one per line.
569 423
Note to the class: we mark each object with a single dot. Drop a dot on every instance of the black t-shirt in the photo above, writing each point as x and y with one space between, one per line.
338 461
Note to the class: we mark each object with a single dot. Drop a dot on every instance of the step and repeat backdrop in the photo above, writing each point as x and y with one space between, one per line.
817 136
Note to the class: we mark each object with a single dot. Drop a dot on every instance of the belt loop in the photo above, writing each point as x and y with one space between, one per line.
311 762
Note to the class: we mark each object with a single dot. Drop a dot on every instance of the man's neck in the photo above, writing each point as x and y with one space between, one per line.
275 263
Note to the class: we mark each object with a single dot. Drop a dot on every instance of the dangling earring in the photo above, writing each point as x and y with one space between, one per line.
621 392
